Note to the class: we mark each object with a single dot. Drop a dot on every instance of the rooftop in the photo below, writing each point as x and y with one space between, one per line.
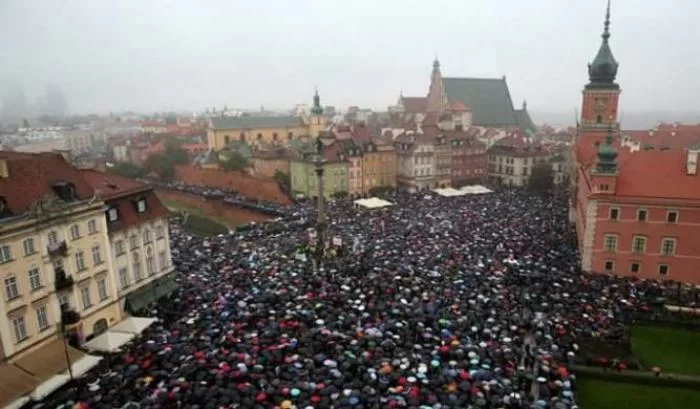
255 122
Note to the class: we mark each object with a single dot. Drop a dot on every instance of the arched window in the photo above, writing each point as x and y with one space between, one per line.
260 137
241 137
150 262
599 119
290 136
136 266
274 136
146 236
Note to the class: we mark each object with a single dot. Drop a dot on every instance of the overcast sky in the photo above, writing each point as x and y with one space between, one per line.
150 55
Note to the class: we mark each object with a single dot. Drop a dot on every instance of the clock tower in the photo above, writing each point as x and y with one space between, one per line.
601 94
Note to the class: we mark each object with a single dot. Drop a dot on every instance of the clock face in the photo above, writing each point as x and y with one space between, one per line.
600 105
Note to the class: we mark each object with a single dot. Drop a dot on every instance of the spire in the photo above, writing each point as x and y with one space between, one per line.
603 70
436 63
316 109
524 105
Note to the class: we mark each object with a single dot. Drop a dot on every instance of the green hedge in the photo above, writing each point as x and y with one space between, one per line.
202 226
640 378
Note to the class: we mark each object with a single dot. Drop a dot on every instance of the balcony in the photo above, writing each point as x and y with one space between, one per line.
58 249
70 319
64 282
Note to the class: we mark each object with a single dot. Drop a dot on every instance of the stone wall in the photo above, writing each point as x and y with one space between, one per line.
213 208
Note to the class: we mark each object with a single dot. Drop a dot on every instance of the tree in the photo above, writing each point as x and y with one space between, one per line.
173 149
233 161
161 164
542 177
282 178
126 169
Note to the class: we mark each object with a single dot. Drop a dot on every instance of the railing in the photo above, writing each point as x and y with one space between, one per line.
63 281
59 248
70 318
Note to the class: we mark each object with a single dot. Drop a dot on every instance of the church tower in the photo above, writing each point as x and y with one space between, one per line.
317 122
601 94
436 93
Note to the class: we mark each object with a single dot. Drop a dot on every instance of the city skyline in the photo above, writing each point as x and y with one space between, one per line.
146 57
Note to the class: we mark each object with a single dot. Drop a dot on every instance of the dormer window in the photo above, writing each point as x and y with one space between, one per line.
112 214
141 205
64 190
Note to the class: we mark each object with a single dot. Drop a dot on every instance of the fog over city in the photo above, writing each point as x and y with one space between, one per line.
96 56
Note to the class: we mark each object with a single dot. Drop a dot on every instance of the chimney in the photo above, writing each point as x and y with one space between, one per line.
692 165
4 171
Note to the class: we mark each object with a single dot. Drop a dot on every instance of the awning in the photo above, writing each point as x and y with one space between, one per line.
141 298
49 360
84 364
165 286
18 403
108 341
49 386
14 383
133 325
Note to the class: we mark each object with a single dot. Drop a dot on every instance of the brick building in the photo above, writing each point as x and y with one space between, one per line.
635 195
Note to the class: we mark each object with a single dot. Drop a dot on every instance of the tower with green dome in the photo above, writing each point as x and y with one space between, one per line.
606 162
317 122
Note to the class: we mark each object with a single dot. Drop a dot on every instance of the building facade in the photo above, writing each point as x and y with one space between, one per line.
256 130
469 159
510 160
137 224
55 257
266 163
416 169
635 203
443 161
335 173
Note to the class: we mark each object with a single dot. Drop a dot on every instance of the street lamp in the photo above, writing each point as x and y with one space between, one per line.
321 216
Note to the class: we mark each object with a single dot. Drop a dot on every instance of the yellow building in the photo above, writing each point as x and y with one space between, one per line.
378 165
55 265
256 130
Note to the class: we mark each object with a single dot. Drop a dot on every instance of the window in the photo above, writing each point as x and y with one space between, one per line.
614 213
599 119
85 297
79 261
11 288
635 267
42 318
290 136
64 303
663 270
20 329
113 214
5 254
137 267
141 206
639 244
92 227
610 242
274 136
160 232
96 255
150 262
668 247
672 217
609 266
163 259
75 232
28 246
133 241
34 279
227 139
241 137
260 137
641 215
146 236
119 247
123 277
102 289
53 237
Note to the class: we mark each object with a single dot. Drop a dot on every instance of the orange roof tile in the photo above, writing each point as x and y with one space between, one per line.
31 177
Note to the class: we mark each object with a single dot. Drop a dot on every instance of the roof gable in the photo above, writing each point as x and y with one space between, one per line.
488 98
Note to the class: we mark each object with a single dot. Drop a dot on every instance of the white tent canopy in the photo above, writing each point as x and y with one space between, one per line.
372 203
133 325
109 341
49 386
84 364
465 190
18 403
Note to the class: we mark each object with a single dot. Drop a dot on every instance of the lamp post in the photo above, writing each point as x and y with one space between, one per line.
65 347
321 216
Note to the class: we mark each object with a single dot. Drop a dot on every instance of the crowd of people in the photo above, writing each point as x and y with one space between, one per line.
460 302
